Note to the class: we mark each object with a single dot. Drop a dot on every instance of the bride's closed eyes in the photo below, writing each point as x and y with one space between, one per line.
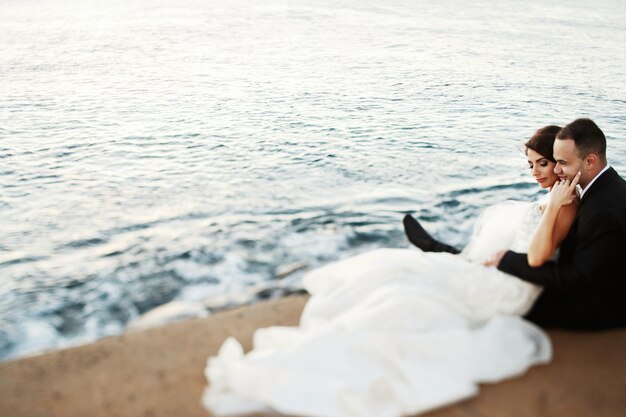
542 163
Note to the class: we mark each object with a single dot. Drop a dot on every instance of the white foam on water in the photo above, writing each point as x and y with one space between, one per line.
168 313
199 292
35 337
315 245
190 270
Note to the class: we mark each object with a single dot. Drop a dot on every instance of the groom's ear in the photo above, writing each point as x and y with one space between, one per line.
591 161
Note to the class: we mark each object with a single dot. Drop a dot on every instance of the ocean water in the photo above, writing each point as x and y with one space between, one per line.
208 153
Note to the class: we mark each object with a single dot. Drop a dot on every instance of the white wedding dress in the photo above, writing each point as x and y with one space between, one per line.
392 332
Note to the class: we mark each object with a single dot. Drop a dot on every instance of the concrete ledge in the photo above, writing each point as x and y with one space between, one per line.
159 372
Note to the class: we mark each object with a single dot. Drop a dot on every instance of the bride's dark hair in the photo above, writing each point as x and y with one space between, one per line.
542 141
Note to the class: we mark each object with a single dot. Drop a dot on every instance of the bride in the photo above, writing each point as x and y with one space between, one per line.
395 332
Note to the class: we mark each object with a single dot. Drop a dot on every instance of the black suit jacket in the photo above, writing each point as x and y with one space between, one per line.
586 287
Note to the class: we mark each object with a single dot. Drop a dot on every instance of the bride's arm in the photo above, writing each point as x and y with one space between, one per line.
555 223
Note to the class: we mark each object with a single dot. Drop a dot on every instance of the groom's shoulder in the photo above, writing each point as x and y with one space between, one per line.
614 183
620 185
609 196
616 174
611 201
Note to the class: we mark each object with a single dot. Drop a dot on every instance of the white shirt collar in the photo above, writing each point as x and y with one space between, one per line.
584 190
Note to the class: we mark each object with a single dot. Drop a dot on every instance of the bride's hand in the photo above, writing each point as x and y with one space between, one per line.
495 259
563 192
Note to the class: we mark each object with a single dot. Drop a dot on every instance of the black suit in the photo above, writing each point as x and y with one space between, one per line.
586 287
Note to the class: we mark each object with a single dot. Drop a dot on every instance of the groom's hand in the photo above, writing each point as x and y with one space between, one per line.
495 259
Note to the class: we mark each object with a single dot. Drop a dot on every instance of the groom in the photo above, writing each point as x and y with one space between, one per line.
586 287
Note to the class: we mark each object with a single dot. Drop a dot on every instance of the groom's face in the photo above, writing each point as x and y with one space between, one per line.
568 161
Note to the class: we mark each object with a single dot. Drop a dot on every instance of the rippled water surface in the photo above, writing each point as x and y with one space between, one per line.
199 151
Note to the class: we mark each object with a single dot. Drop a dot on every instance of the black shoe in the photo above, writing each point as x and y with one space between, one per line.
416 234
420 237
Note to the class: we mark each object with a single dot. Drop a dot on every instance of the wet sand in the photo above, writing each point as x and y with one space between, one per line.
159 372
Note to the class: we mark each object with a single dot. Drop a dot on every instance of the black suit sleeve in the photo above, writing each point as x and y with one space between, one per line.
599 248
549 275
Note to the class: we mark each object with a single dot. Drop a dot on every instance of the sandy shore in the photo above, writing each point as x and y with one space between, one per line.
159 372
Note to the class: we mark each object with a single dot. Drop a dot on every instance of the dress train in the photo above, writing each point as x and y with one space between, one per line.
392 332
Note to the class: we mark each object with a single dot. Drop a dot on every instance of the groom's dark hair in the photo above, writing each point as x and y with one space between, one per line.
587 136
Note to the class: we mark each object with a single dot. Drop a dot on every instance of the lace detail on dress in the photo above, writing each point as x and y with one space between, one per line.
526 228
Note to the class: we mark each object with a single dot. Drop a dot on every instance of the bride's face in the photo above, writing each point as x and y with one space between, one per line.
541 168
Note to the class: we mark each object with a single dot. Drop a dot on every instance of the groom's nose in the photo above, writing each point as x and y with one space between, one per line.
557 169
